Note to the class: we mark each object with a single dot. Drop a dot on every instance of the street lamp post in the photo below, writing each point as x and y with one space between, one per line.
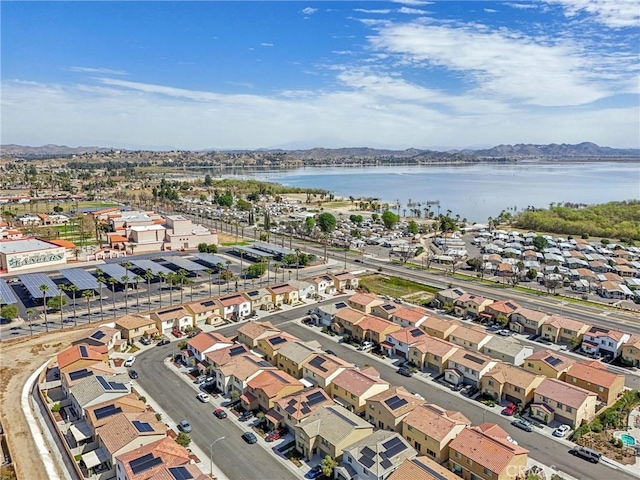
211 453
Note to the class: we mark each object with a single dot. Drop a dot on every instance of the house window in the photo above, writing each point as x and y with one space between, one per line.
417 446
569 409
436 358
517 389
349 458
410 428
490 382
487 472
431 453
353 396
469 462
600 389
559 405
574 379
529 364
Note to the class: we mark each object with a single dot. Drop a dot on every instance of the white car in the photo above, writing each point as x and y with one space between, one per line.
365 346
203 397
129 361
504 332
561 431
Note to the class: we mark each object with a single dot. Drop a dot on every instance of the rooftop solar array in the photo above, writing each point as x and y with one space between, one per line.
210 259
395 402
474 359
142 427
277 340
180 473
340 305
83 351
110 385
317 363
115 271
186 264
81 278
416 332
253 252
144 463
315 398
98 335
394 447
268 247
78 374
107 411
155 268
237 351
6 294
553 361
33 281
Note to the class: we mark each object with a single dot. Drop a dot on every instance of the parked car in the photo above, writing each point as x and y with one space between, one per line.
220 413
330 352
193 333
185 426
177 333
145 341
133 374
249 437
504 332
470 390
561 431
246 415
586 454
163 341
129 361
364 346
277 434
405 371
203 397
509 409
315 472
522 425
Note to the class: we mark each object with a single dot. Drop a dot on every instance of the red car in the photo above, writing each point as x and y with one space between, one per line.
276 434
220 413
509 409
177 333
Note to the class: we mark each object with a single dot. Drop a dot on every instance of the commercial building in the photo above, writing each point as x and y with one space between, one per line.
25 253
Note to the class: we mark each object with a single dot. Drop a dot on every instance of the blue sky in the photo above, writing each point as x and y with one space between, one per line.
231 75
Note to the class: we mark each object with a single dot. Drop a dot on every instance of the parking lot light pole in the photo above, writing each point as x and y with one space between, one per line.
211 455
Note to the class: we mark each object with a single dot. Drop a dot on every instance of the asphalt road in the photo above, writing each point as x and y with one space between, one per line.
237 459
541 448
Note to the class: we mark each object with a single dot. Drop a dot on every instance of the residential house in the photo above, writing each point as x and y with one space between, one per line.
557 401
439 327
471 338
77 357
109 337
432 354
261 299
385 310
269 346
162 459
595 377
251 332
328 431
529 321
97 389
373 329
205 312
409 316
203 343
238 370
448 296
603 341
345 319
563 330
267 387
235 306
322 368
352 387
470 305
364 302
505 382
293 355
374 457
216 359
306 290
101 413
387 409
324 285
292 409
73 377
630 352
430 428
548 363
467 367
323 315
345 281
399 342
500 308
134 327
507 350
474 454
284 294
172 317
421 468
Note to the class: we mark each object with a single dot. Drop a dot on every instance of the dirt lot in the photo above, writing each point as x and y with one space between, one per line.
18 360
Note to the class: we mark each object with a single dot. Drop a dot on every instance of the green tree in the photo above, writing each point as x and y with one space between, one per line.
328 465
183 439
44 288
309 224
540 243
225 200
9 312
326 222
532 274
447 224
390 219
357 219
502 319
413 228
256 270
374 217
56 303
243 205
208 181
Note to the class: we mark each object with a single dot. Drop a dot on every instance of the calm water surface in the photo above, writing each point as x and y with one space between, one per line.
475 192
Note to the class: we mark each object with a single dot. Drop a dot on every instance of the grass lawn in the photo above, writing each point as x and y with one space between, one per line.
393 286
39 207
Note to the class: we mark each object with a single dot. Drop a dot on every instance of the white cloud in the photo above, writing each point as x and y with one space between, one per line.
490 10
522 6
412 11
413 2
309 10
103 71
364 10
266 44
612 13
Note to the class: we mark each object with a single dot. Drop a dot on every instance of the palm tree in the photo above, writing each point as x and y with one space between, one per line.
101 282
297 262
88 294
30 313
44 289
183 279
125 279
171 280
162 276
61 288
73 289
137 279
219 267
148 276
210 272
112 281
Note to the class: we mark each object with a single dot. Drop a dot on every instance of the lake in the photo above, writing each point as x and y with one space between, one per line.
474 191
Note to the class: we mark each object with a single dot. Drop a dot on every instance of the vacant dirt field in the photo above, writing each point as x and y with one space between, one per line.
18 360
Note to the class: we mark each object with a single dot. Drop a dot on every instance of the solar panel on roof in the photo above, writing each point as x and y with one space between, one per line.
211 259
388 306
277 341
395 402
83 351
118 386
180 473
169 310
78 374
366 461
477 360
186 264
386 464
236 351
394 446
416 332
81 278
107 411
264 363
115 271
208 303
305 409
144 463
367 452
98 335
315 398
33 282
6 293
553 361
253 252
317 363
142 427
340 305
104 383
290 409
151 265
255 293
511 306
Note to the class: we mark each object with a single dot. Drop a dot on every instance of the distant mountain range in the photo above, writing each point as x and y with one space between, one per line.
348 155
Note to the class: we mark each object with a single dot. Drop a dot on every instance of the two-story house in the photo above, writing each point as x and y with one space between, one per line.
284 294
171 317
235 305
507 350
563 330
322 368
105 336
293 355
364 302
603 341
260 298
269 346
386 310
439 327
470 305
527 320
566 403
351 388
203 343
77 357
432 354
251 332
399 342
344 281
467 367
471 338
505 382
235 373
409 316
324 285
501 307
291 409
595 377
267 387
630 352
373 329
345 319
387 409
548 363
205 312
134 327
448 296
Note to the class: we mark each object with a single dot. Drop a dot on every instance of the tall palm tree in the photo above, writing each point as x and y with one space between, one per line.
162 276
148 276
30 313
61 288
297 262
73 289
44 289
210 272
171 279
125 279
183 279
137 279
101 281
112 281
219 267
88 295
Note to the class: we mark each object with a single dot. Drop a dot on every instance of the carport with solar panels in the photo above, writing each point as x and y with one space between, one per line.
210 260
115 271
7 297
34 283
82 280
189 266
143 266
